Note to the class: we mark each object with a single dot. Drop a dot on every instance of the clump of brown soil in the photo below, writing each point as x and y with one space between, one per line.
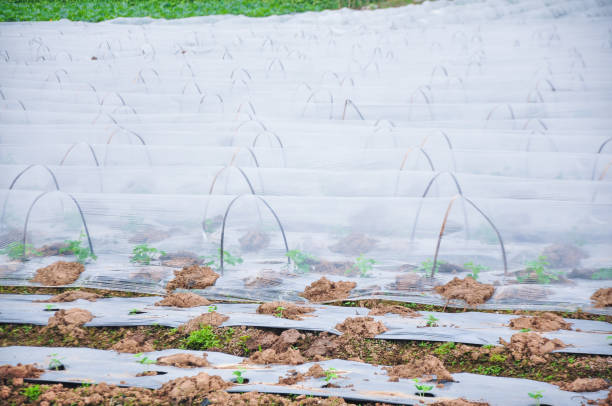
284 310
294 377
267 339
134 343
354 244
325 290
544 322
255 398
149 235
467 289
563 255
408 281
71 296
382 309
334 267
68 322
188 388
324 345
254 241
584 385
53 249
212 318
148 274
420 368
603 297
59 273
183 299
270 356
362 326
184 360
193 277
20 371
531 346
180 259
459 402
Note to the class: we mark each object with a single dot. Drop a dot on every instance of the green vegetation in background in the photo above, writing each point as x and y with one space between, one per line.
98 10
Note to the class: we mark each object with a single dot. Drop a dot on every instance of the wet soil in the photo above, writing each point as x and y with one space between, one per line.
531 346
254 241
602 297
184 360
467 289
325 290
544 322
211 318
180 259
284 310
193 277
354 244
183 300
69 321
362 326
563 255
381 310
425 369
19 371
585 385
71 296
59 273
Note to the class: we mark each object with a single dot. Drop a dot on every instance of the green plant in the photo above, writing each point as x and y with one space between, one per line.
212 308
279 312
427 266
602 274
330 374
239 377
497 358
55 363
488 346
445 348
243 341
301 261
74 247
537 395
539 269
32 392
475 268
141 358
143 254
17 250
49 307
431 321
203 338
136 311
213 260
525 330
422 389
363 265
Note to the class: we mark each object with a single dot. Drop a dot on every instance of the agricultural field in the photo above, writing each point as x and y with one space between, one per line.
306 203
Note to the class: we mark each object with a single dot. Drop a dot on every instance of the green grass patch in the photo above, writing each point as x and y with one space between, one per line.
99 10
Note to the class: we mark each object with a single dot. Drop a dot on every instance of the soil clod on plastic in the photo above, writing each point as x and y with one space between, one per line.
362 326
183 300
325 290
468 290
284 310
193 277
59 273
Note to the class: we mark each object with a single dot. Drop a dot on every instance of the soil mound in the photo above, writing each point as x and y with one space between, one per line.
71 296
53 249
184 360
420 368
270 356
68 322
254 241
531 346
255 398
585 385
324 345
284 310
180 259
188 388
59 273
294 377
408 281
563 255
354 244
603 297
361 326
381 310
19 371
183 299
325 290
459 402
335 267
212 318
134 343
193 277
545 322
468 290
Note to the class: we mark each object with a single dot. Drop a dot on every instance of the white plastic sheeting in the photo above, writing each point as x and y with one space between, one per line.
467 131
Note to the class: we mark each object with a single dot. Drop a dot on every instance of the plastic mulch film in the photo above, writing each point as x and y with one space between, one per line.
586 337
355 381
435 140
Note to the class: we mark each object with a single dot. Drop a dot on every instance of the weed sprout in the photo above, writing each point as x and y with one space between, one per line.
330 374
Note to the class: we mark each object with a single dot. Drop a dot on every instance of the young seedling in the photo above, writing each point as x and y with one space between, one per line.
301 261
212 308
32 393
213 260
49 308
141 358
279 312
330 374
55 364
17 251
243 341
431 321
537 395
74 247
363 265
475 268
239 377
143 254
427 267
422 389
525 330
539 267
135 311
